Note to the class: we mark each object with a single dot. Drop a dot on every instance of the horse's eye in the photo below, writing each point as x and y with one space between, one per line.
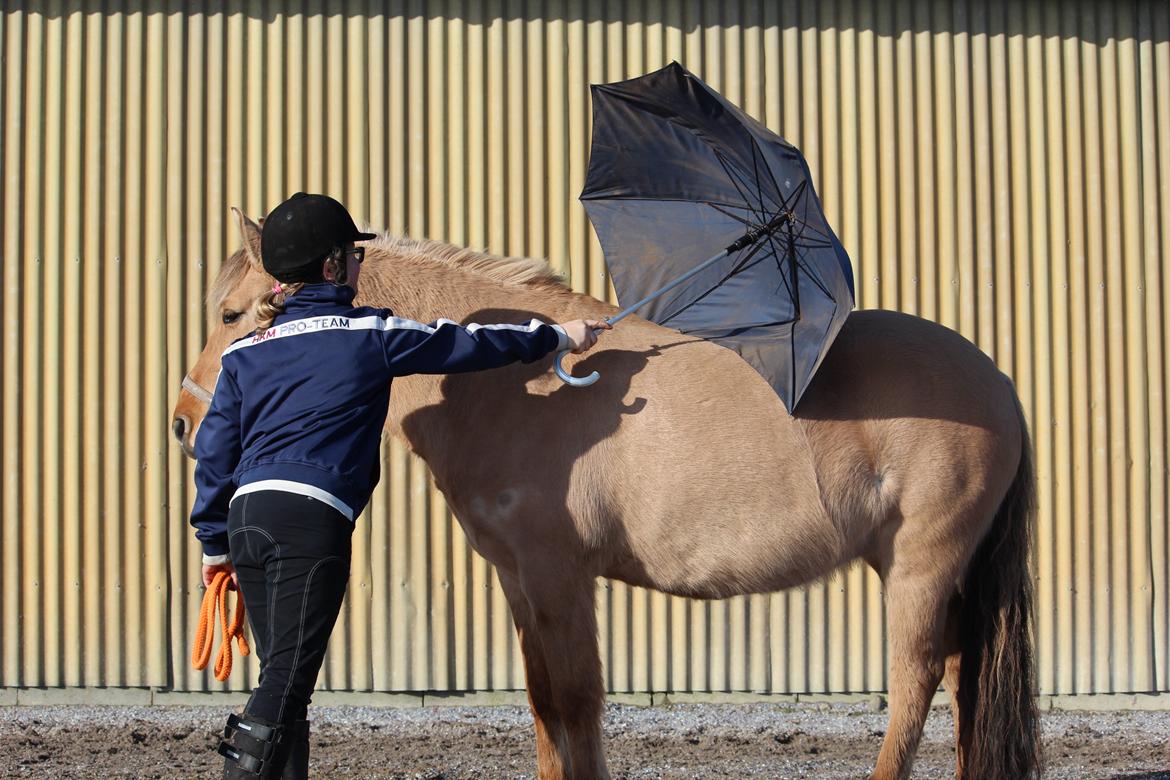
230 317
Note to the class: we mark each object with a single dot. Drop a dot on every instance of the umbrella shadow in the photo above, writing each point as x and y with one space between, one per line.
887 365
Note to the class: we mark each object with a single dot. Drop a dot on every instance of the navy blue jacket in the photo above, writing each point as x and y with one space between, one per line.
300 407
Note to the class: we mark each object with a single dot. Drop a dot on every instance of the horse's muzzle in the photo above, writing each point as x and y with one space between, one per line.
180 428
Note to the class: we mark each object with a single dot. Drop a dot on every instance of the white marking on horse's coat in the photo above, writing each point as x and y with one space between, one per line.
498 510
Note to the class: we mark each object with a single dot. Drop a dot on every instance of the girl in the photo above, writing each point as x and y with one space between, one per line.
288 454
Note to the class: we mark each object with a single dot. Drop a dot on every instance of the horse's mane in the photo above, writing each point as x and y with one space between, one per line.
525 271
519 271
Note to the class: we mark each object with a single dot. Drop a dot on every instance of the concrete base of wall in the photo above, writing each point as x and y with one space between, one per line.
145 697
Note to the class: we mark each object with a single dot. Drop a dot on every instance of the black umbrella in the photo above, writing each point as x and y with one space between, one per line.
677 171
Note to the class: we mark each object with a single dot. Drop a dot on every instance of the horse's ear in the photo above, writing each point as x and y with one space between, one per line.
250 235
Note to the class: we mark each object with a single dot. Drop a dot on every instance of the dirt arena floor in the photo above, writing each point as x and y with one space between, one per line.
452 743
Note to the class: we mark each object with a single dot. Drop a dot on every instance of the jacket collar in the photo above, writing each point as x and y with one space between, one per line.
320 294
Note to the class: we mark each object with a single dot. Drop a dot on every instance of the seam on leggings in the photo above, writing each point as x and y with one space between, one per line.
279 565
301 632
279 561
272 596
255 528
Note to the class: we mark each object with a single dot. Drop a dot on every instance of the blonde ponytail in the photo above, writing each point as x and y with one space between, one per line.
271 303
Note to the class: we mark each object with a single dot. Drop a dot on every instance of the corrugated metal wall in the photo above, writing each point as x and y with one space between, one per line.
1003 168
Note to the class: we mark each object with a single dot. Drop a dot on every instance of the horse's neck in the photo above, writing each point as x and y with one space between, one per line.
444 292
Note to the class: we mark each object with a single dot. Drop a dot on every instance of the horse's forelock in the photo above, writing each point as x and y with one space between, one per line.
231 273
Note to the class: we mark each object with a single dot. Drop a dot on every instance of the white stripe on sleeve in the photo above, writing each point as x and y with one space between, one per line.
307 325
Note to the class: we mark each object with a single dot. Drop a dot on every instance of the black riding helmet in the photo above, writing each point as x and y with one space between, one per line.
301 232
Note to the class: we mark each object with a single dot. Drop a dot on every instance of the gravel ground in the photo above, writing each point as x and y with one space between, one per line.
457 743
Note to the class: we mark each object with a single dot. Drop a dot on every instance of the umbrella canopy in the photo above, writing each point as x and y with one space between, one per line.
677 173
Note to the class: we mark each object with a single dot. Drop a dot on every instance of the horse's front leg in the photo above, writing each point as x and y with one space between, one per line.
550 733
561 596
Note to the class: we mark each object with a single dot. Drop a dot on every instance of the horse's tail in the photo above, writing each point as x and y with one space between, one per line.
997 707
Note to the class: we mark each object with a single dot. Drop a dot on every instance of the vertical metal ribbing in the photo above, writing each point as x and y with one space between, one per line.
1113 561
185 317
1154 33
93 347
12 637
1062 263
32 252
1138 354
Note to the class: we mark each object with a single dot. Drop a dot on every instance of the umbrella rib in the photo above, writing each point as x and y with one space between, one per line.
775 184
801 264
757 153
788 205
737 331
813 244
808 270
663 199
731 176
731 215
742 186
787 202
778 254
804 224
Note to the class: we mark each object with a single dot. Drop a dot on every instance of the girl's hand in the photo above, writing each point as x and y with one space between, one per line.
209 572
583 333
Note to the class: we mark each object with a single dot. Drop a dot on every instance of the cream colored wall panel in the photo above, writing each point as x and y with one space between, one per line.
1003 168
12 454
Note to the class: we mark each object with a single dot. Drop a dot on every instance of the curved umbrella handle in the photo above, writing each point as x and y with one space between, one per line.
568 378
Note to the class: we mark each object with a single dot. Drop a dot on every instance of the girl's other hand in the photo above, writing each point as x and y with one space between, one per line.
209 572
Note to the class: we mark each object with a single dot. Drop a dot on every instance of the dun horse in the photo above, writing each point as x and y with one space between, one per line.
681 471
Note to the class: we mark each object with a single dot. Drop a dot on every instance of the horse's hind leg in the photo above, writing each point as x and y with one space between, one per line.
916 607
951 678
550 734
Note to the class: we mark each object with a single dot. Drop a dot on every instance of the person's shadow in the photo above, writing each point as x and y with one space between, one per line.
505 441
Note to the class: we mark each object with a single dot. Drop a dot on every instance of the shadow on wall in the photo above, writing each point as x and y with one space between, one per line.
1093 22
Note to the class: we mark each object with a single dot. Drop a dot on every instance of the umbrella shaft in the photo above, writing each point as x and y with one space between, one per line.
662 290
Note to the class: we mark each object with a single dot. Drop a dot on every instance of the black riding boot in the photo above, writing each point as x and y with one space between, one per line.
297 767
254 749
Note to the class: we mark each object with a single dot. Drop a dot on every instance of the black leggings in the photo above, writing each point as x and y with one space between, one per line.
291 553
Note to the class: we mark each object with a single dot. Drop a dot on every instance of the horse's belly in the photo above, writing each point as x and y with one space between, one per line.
724 552
718 495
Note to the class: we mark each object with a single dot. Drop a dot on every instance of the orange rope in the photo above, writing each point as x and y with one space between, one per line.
205 633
